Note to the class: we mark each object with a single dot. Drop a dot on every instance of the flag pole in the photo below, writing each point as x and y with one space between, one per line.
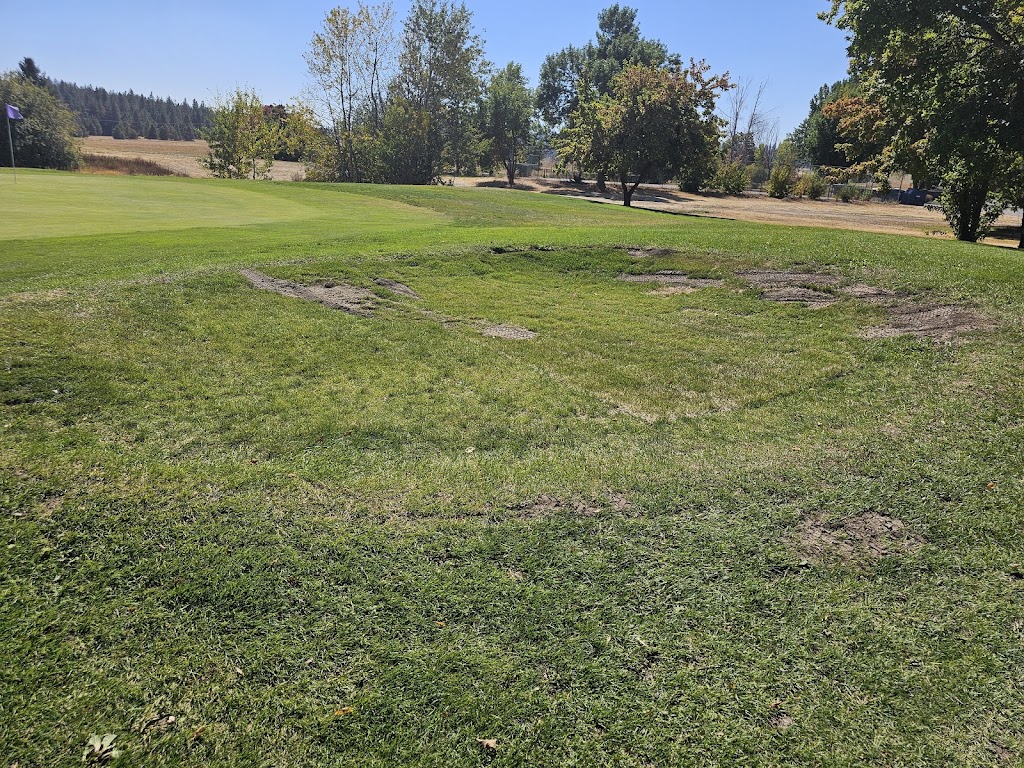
10 140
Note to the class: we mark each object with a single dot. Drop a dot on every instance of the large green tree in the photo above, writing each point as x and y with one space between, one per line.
45 138
951 75
439 84
654 121
815 139
575 73
618 42
508 117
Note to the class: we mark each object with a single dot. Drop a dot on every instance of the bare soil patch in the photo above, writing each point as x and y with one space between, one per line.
544 506
906 317
869 293
870 536
672 278
926 321
396 287
513 332
649 253
347 298
774 278
807 296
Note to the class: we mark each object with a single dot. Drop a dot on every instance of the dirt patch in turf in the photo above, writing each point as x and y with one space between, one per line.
774 278
866 537
396 287
514 332
906 316
649 253
794 295
347 298
678 280
927 321
544 506
869 293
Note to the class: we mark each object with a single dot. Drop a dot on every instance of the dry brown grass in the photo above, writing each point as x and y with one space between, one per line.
180 157
113 165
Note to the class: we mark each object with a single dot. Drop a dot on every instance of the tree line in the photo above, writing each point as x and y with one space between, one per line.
413 102
99 112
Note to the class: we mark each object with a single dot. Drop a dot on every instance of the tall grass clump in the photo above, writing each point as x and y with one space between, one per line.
125 166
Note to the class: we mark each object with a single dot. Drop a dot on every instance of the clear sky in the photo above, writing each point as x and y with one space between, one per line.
187 49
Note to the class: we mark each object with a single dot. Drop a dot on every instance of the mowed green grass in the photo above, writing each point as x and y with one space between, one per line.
320 539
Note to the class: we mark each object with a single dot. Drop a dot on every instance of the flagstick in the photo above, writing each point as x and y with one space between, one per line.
10 140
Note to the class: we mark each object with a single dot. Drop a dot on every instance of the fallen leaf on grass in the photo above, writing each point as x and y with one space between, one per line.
344 711
198 731
491 745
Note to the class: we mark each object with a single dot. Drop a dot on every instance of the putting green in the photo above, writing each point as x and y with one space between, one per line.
48 204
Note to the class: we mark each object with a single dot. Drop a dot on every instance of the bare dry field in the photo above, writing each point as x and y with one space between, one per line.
867 217
179 156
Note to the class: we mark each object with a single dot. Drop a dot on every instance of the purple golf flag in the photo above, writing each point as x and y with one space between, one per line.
13 113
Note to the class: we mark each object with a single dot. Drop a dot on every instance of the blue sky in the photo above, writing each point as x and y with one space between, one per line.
197 50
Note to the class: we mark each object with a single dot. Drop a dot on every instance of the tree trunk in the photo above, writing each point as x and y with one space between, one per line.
510 172
601 178
628 189
1021 245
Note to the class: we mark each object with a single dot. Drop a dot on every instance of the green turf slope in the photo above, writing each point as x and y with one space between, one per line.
320 539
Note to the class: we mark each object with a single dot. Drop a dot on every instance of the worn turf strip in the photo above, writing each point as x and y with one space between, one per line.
690 528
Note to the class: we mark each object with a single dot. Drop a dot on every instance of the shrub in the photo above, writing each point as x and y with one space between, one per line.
811 185
780 183
732 178
846 193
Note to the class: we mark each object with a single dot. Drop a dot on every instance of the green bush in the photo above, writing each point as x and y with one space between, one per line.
732 178
811 185
846 193
780 183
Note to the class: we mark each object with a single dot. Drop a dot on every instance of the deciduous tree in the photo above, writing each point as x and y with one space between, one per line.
653 120
439 84
351 60
508 115
242 139
951 73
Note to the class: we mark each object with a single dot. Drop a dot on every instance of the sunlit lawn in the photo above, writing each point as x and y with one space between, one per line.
320 539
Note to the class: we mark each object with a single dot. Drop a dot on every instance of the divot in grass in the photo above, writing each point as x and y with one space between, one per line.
396 287
906 317
544 506
347 298
867 537
675 279
513 332
650 253
809 297
928 321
